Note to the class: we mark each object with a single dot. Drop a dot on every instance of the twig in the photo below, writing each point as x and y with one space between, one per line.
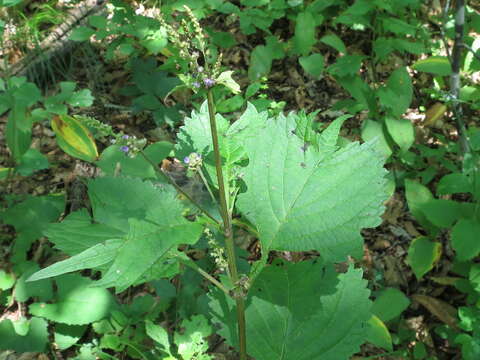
477 56
159 170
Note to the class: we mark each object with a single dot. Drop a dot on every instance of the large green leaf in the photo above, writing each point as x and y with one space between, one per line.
301 198
151 217
299 311
77 232
78 303
93 257
150 243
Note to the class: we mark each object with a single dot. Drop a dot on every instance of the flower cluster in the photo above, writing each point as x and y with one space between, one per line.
189 38
216 251
129 145
194 161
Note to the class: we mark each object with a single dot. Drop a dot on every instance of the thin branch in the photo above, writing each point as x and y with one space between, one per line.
159 170
477 56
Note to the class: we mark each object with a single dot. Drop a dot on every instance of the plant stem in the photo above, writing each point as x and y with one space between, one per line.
159 170
205 182
206 275
455 77
227 228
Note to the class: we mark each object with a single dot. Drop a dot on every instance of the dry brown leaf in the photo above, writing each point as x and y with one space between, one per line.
443 311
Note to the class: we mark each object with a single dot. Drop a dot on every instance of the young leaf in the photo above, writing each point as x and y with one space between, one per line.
299 312
68 335
74 138
225 78
290 186
423 254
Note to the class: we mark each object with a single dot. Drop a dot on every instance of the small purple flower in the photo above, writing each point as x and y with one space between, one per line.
125 149
196 84
125 137
208 82
186 159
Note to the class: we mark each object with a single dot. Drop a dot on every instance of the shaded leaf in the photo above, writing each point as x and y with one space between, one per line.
300 312
423 254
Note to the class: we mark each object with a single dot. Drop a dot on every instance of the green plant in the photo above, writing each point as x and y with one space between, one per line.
276 177
20 99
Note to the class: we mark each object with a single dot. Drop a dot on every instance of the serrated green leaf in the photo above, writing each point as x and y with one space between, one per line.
464 239
81 98
423 254
78 302
191 343
437 65
401 131
151 216
335 42
77 232
289 188
299 312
